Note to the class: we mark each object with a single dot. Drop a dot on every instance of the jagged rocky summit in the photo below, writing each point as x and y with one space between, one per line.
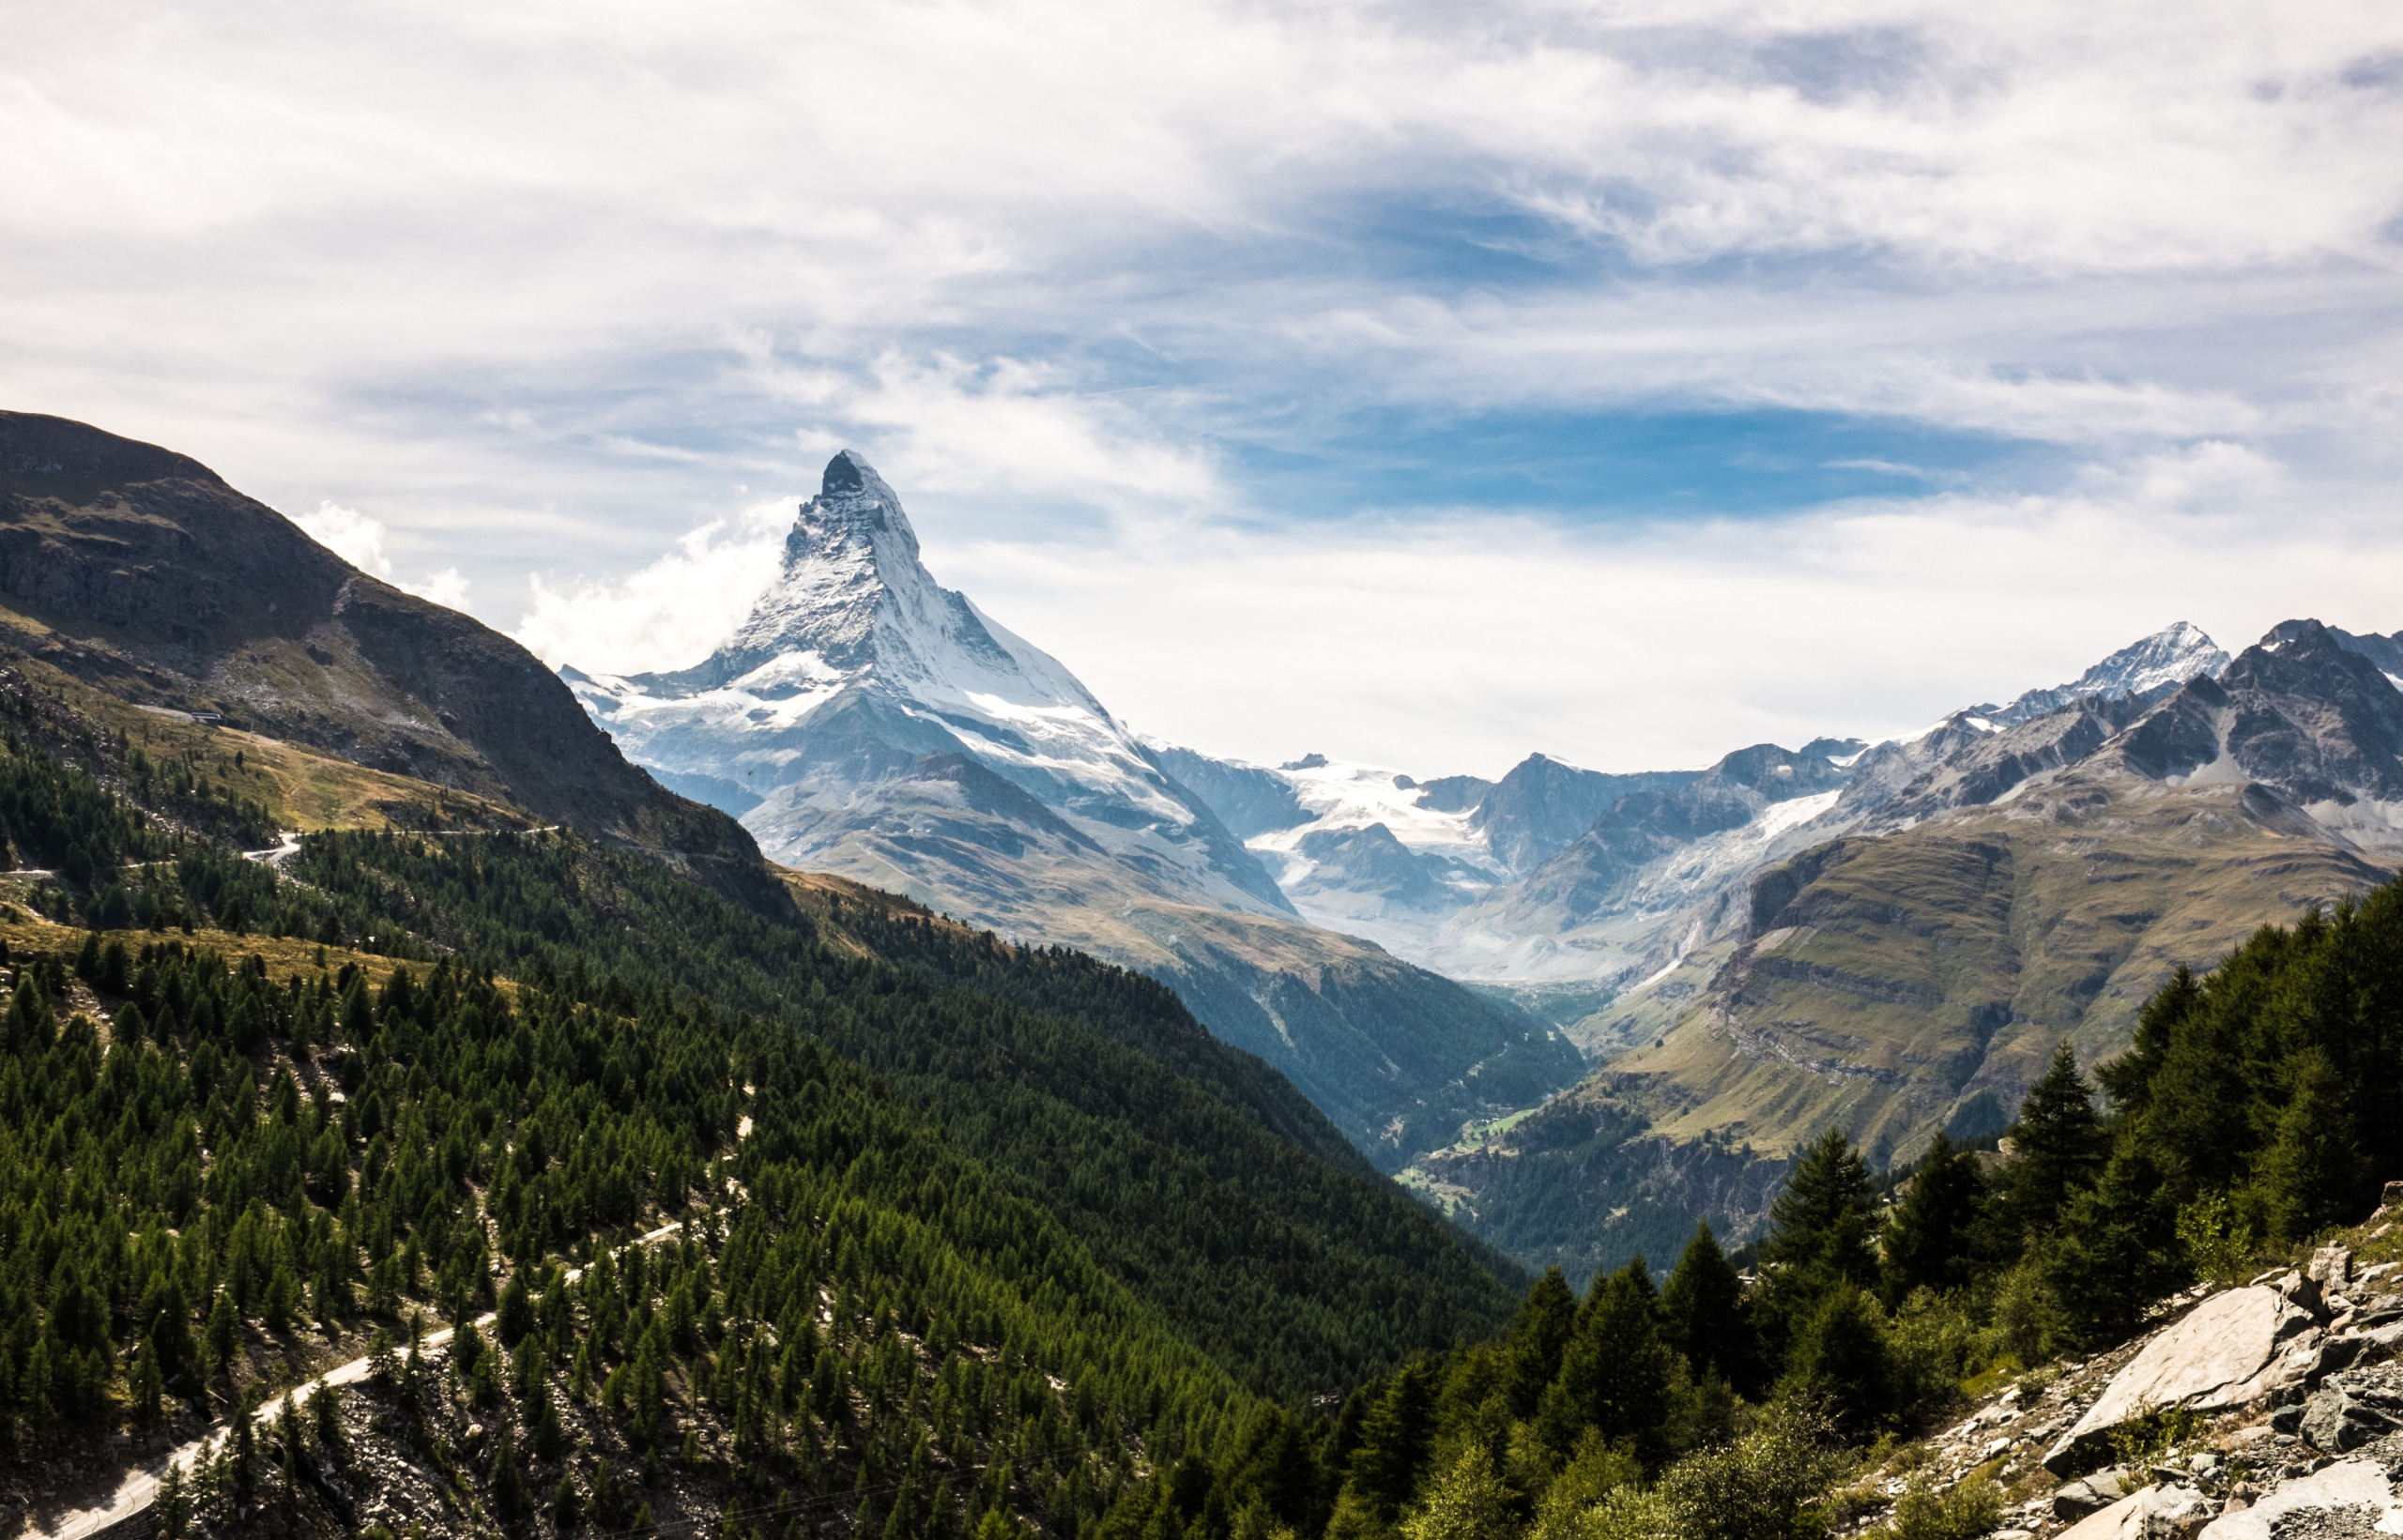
857 669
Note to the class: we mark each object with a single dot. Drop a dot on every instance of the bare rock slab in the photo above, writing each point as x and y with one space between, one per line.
2225 1351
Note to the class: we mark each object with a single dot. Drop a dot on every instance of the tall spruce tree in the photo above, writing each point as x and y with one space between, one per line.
1821 1222
1395 1439
1703 1314
1840 1351
1614 1376
2058 1147
1538 1335
1927 1240
2116 1250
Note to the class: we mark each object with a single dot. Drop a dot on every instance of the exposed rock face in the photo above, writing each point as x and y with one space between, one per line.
2215 1358
2301 714
2335 1423
2081 1498
1534 811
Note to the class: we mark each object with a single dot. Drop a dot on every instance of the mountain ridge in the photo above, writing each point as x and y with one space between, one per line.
139 568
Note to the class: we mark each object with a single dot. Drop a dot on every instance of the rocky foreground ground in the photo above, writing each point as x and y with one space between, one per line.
2252 1413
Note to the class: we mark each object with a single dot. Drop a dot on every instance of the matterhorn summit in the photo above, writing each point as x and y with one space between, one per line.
857 670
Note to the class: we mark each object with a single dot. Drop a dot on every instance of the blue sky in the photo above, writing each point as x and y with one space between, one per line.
1627 381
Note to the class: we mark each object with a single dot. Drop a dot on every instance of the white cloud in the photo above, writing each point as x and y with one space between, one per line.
1463 645
445 587
348 534
668 613
358 539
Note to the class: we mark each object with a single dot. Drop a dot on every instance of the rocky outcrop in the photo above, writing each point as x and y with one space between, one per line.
2347 1485
2155 1511
2290 1395
2226 1351
2335 1423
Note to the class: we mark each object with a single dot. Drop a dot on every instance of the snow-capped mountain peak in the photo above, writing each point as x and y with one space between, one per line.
857 668
853 599
2168 658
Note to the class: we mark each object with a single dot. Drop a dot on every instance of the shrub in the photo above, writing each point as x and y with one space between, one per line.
1967 1511
2219 1242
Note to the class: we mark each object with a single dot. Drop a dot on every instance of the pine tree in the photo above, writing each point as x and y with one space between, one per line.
1395 1437
1841 1351
1538 1335
1821 1222
1469 1502
2313 1164
224 1332
2116 1250
515 1317
2129 1077
509 1499
2058 1146
1614 1376
171 1509
1703 1314
287 1433
1927 1240
147 1386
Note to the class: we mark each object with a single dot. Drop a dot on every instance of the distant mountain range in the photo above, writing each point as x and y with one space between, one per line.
1890 936
1572 879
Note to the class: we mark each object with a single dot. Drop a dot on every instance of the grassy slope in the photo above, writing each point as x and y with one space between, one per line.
1910 980
1920 970
306 789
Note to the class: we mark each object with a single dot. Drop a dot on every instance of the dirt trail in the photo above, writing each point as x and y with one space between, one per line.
139 1488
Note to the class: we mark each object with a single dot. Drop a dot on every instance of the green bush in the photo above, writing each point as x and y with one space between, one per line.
2152 1435
2220 1243
1967 1511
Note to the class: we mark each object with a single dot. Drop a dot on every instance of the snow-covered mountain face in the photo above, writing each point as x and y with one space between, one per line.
1557 875
2151 667
856 670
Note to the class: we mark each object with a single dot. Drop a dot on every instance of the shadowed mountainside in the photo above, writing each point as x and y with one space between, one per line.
142 572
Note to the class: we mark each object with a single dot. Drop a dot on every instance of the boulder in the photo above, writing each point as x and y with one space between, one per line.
2223 1353
2333 1423
2331 1268
2091 1496
2156 1513
2345 1483
2302 1291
